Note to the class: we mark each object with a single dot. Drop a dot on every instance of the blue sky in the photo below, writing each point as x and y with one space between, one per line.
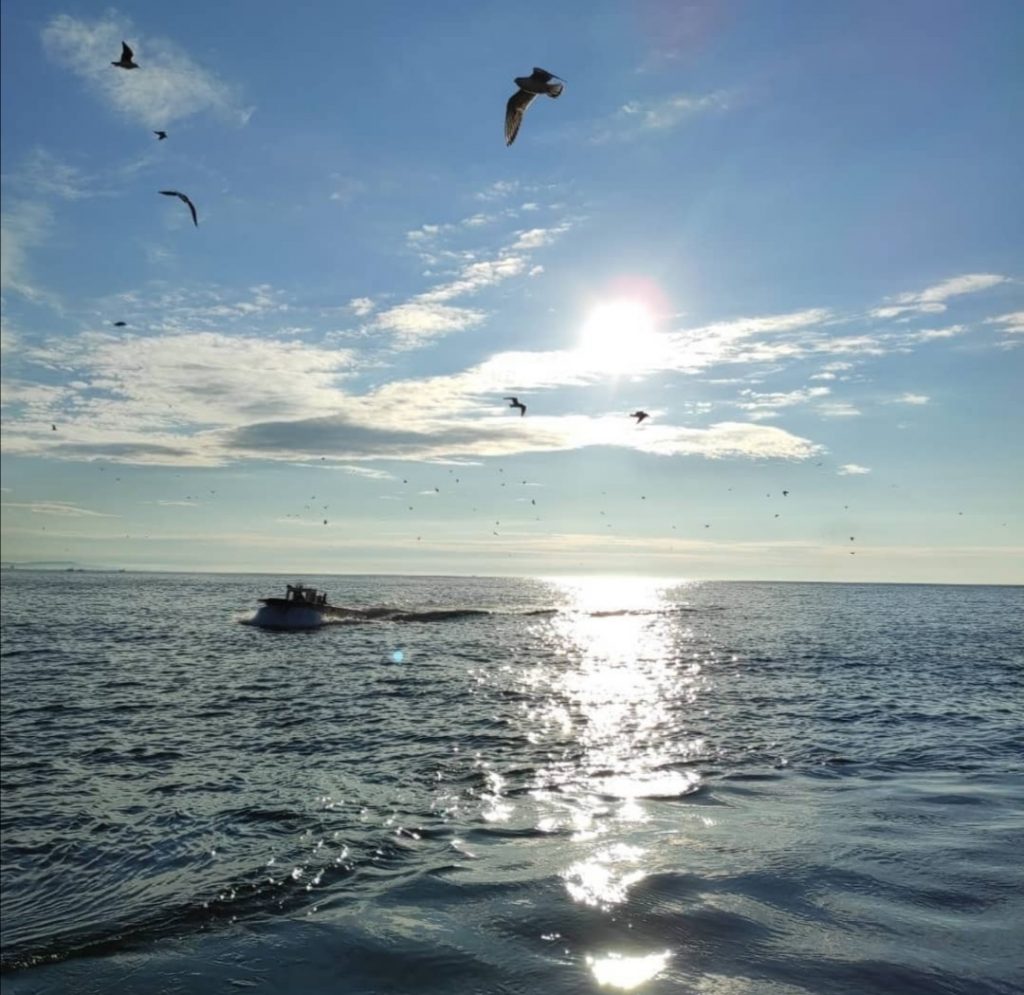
790 232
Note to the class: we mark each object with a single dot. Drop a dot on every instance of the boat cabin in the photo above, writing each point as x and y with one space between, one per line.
303 594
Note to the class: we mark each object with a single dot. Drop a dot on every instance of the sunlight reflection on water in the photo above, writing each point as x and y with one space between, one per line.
613 710
626 973
614 702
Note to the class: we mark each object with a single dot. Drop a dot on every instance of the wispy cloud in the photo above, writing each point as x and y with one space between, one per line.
932 300
838 409
852 470
499 190
64 509
636 117
24 225
430 314
1013 323
169 85
44 175
936 334
908 398
361 306
768 405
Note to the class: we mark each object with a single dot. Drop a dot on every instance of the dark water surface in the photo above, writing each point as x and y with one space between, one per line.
715 788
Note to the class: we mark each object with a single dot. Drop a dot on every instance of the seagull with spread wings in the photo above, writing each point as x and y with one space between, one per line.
540 81
127 60
514 402
184 198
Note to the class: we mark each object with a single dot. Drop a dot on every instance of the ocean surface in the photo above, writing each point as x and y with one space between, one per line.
515 786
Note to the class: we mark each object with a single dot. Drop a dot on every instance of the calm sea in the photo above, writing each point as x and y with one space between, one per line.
578 786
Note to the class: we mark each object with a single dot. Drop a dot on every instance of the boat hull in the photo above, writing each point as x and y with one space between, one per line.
287 616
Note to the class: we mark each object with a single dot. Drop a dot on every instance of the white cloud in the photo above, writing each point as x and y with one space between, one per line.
536 238
361 306
932 299
162 399
415 323
852 470
498 190
909 398
635 118
476 276
429 315
838 409
1013 323
936 334
167 87
767 405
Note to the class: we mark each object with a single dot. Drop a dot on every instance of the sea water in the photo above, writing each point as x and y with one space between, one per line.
512 786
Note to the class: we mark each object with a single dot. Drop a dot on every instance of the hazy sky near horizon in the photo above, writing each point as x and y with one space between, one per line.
791 232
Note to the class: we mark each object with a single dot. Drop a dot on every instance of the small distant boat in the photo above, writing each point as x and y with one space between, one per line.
302 607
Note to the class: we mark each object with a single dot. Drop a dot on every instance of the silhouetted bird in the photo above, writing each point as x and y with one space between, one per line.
120 324
54 427
184 199
639 416
160 135
127 57
785 493
538 82
514 402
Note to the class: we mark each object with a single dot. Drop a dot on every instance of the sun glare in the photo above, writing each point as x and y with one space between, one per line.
620 337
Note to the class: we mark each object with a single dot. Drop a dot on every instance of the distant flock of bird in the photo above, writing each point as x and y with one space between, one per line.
539 83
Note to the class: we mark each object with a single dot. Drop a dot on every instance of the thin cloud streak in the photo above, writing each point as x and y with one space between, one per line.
636 118
64 509
932 300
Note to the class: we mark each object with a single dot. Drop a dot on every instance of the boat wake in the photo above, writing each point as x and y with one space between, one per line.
269 617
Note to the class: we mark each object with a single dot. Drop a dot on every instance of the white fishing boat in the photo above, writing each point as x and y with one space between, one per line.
302 607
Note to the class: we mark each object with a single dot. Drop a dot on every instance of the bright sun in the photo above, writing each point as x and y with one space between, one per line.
619 337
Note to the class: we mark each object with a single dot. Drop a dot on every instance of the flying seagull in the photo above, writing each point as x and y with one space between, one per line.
538 82
127 58
639 416
120 324
514 402
182 197
160 135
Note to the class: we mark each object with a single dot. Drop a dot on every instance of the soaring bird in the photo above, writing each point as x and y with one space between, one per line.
639 416
514 402
182 197
538 82
160 135
120 324
127 58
